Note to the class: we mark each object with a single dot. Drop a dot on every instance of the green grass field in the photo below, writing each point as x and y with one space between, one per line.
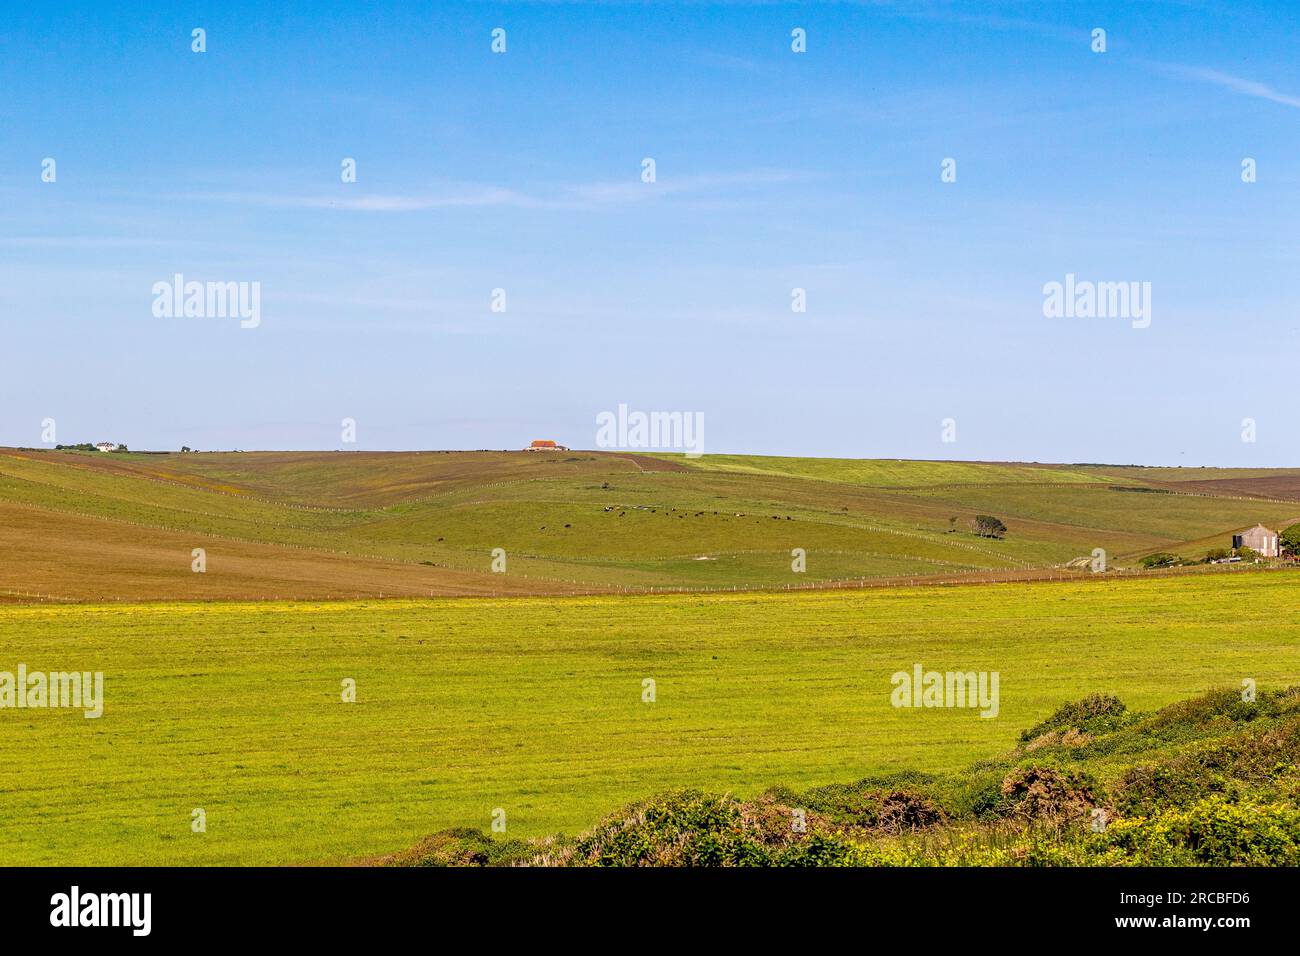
534 705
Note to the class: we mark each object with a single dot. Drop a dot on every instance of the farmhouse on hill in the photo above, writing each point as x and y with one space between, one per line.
106 446
545 445
1259 539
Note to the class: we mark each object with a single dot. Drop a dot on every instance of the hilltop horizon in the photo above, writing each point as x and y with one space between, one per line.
667 454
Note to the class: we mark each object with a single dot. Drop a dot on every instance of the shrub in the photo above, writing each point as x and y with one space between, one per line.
462 846
905 811
822 850
1248 762
1161 559
1214 832
1043 793
1096 713
689 828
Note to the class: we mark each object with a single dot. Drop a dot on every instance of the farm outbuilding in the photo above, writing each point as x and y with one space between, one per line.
1259 539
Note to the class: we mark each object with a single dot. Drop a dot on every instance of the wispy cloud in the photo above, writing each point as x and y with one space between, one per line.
375 202
707 185
1226 80
563 196
89 242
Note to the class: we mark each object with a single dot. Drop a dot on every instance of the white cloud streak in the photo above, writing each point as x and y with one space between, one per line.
1237 84
571 196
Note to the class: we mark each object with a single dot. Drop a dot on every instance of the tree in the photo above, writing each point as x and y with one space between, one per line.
1289 539
1161 559
987 526
1216 554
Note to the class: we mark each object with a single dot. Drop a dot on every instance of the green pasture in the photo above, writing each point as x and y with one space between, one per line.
535 706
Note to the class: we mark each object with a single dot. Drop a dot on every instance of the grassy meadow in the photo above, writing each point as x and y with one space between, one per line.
523 690
534 705
81 526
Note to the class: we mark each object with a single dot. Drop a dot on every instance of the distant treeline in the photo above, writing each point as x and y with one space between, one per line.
85 446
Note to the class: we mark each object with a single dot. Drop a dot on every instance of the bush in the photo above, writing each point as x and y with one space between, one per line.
1095 713
1161 559
689 828
902 811
1214 832
822 850
1043 793
1248 763
987 526
462 846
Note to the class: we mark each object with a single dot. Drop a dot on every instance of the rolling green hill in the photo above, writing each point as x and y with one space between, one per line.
93 526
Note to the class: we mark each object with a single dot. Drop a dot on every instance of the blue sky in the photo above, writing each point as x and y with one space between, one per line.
775 170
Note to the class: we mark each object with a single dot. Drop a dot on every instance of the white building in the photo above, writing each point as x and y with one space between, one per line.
1258 538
